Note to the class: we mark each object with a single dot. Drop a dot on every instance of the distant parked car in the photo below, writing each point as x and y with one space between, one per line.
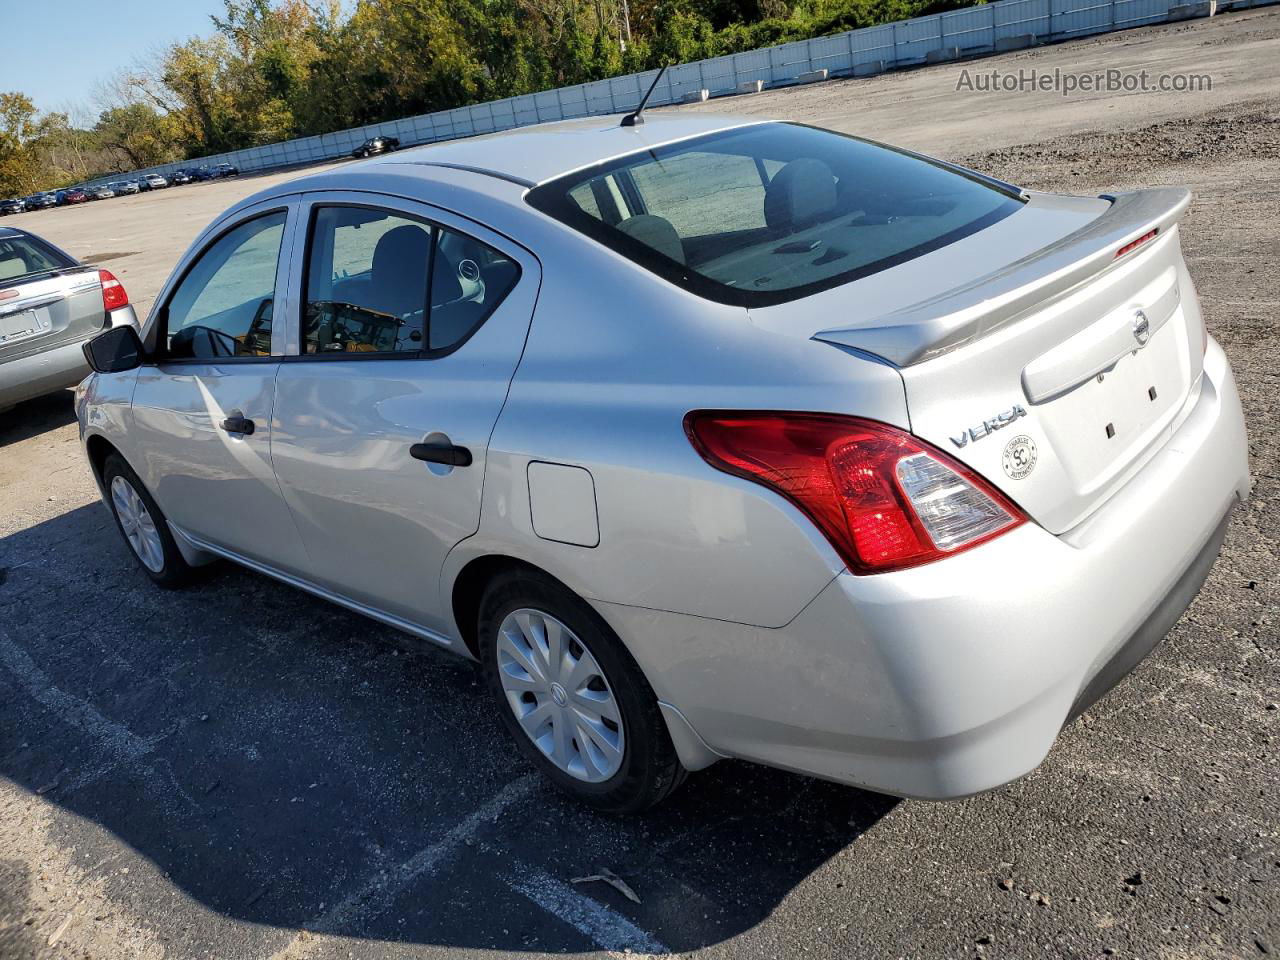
153 181
121 187
50 304
40 201
376 145
71 195
99 193
184 175
12 205
225 170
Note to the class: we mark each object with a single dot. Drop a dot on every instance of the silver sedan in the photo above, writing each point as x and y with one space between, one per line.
705 437
50 304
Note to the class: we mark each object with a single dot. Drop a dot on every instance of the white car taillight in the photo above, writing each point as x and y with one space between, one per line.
953 511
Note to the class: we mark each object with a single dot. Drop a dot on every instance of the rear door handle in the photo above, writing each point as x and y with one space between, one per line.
240 425
446 453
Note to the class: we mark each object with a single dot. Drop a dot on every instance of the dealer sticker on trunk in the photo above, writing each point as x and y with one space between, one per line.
1019 457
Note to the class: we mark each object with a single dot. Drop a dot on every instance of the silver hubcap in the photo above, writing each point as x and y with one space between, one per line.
139 529
560 695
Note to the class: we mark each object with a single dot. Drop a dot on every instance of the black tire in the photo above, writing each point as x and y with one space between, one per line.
650 768
174 570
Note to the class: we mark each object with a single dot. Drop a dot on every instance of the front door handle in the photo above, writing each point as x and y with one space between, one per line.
447 453
238 424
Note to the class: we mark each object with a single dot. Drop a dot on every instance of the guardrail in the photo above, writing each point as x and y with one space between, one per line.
973 31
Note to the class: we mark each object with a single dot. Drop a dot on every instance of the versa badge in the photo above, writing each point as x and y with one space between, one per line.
990 426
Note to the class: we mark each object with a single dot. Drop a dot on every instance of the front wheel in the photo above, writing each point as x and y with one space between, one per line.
572 697
142 525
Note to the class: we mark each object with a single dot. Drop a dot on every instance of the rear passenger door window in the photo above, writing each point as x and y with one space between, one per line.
468 281
366 282
383 282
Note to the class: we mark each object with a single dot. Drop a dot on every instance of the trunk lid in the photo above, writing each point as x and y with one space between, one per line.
1061 368
48 310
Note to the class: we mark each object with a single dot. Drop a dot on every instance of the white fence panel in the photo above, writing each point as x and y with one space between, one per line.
683 79
1014 18
913 39
871 44
718 75
573 101
752 65
524 109
1134 13
789 60
1079 18
628 90
504 114
598 97
547 106
831 53
971 30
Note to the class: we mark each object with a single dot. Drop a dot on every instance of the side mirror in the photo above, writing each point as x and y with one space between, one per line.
115 350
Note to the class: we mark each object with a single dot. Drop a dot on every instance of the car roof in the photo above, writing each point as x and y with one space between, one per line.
534 154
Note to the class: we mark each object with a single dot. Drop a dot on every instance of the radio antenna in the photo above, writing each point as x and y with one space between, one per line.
634 119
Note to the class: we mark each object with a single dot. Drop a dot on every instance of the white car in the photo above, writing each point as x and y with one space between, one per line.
707 437
154 181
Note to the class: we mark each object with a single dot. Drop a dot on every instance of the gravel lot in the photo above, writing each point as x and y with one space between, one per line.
239 770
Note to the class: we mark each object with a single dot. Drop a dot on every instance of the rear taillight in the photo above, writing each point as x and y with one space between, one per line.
113 293
884 499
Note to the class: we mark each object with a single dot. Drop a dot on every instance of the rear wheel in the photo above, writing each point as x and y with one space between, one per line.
142 525
572 697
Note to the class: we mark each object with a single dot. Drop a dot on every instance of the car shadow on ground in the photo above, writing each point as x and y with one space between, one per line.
285 763
34 417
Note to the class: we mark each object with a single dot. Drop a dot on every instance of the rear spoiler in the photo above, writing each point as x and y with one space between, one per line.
964 314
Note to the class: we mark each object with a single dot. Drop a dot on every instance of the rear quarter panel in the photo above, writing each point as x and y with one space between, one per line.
615 359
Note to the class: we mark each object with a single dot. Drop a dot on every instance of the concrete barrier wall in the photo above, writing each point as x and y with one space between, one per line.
992 27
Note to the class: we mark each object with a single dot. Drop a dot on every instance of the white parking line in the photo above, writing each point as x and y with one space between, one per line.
376 895
605 927
118 742
608 929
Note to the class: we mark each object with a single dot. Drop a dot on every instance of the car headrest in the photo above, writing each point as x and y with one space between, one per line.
656 232
445 285
398 275
13 267
800 192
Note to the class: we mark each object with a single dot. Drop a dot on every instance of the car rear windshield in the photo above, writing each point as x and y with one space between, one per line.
22 257
773 212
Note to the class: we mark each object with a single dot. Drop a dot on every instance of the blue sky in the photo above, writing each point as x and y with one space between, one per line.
57 50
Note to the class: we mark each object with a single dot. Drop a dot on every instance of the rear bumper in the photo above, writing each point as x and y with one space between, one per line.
57 368
954 678
41 373
1156 627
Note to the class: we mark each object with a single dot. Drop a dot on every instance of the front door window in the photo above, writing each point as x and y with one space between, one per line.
223 306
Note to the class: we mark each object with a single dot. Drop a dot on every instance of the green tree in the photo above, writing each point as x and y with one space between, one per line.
138 134
19 162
